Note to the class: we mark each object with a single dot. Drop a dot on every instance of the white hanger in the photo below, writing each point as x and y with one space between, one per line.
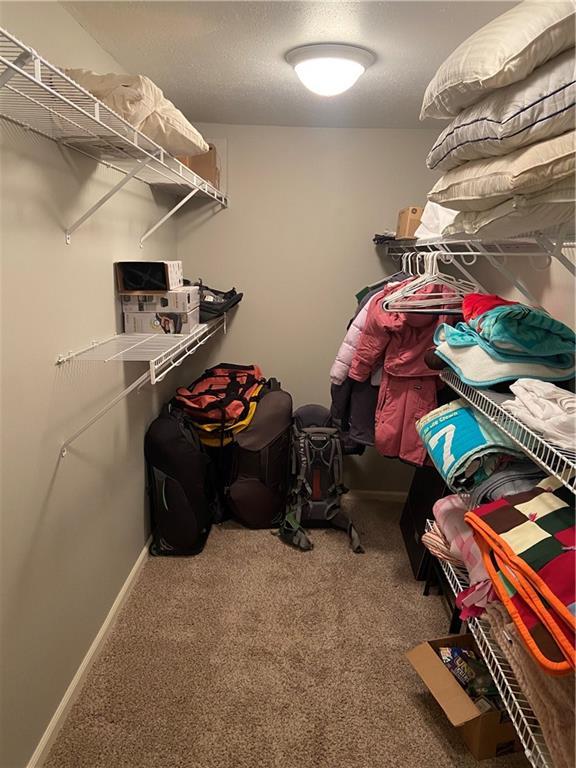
446 300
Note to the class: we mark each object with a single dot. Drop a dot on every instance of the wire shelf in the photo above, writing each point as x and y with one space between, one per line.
530 244
163 352
515 701
559 462
38 96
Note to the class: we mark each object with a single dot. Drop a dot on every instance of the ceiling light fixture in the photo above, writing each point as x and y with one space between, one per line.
328 70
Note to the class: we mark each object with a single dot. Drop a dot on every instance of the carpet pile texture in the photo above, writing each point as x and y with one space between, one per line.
255 655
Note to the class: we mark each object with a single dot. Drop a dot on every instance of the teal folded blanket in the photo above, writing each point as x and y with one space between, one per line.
519 332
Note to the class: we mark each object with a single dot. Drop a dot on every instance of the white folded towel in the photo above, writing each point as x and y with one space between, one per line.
546 409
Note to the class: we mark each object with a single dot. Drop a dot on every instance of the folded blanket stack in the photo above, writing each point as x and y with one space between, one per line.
464 445
509 153
503 341
545 409
527 542
449 516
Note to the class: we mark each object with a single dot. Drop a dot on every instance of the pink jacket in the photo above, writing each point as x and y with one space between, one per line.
408 388
345 355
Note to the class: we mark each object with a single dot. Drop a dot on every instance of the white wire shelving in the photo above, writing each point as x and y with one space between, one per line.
162 352
531 245
38 96
559 462
515 701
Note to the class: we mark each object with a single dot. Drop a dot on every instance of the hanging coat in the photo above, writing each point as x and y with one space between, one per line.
408 389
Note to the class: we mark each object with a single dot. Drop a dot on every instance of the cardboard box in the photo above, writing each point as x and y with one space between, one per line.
161 322
183 299
408 222
205 165
487 734
148 276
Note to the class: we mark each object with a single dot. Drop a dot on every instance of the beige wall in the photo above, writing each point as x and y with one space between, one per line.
71 528
297 239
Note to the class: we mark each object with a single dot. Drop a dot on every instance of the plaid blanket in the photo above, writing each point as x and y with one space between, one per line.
528 544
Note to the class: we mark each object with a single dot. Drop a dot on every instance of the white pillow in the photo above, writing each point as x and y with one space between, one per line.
504 51
538 108
141 103
482 184
521 214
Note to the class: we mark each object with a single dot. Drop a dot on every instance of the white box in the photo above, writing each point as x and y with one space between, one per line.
161 322
148 276
183 299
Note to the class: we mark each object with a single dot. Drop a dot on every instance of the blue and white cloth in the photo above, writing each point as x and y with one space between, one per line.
464 445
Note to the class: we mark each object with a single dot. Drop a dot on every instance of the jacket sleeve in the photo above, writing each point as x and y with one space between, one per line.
341 366
372 343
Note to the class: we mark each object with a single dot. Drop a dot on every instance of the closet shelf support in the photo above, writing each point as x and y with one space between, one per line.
164 218
137 384
18 63
163 353
513 280
116 188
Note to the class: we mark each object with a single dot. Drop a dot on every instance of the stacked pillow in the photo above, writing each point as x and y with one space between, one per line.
509 152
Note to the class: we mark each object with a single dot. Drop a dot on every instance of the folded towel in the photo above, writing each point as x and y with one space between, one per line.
463 444
475 304
515 477
546 409
436 543
479 369
449 514
527 543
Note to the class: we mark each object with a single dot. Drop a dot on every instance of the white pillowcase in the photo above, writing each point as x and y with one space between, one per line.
435 218
544 210
504 51
535 109
482 184
141 103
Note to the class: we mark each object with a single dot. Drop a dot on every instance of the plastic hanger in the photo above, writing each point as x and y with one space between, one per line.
446 299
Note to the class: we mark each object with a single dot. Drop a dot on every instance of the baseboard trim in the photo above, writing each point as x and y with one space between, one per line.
55 724
394 496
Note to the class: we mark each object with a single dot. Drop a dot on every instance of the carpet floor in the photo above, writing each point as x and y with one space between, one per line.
254 655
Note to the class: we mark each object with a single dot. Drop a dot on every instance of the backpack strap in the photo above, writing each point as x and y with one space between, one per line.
343 522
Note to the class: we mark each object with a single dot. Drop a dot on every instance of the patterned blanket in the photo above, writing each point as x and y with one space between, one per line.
528 544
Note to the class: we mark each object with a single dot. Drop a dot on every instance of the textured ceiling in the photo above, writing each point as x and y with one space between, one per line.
223 62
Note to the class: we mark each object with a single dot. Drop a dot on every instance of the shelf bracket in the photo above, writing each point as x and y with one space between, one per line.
512 279
116 188
137 384
19 62
556 250
170 213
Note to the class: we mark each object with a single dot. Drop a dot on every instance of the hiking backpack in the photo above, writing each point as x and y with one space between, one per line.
317 486
181 485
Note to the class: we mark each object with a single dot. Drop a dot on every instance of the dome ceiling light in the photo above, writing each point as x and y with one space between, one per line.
328 70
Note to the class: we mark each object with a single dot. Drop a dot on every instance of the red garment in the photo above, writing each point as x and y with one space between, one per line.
475 304
408 388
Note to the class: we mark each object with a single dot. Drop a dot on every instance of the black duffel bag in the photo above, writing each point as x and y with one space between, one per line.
181 485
